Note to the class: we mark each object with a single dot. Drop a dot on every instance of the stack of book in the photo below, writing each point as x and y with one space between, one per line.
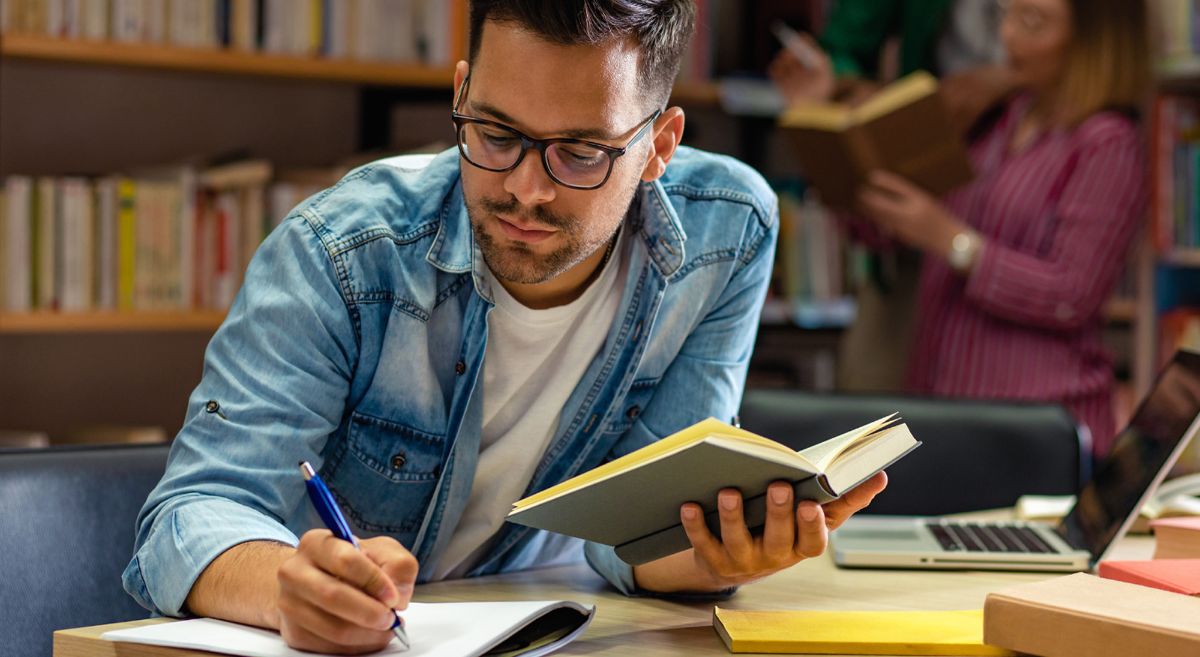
431 32
1082 614
1176 538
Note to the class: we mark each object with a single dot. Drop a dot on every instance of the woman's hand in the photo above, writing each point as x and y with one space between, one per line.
909 214
800 83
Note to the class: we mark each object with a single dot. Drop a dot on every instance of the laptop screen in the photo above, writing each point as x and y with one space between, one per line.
1141 453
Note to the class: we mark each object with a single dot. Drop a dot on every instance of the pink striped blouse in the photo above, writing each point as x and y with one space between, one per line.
1058 219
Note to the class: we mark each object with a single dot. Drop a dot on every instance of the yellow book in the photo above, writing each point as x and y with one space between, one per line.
854 632
126 242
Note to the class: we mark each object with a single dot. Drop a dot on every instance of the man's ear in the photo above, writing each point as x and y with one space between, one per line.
666 134
461 69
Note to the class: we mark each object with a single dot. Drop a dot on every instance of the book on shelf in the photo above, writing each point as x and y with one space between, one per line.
958 632
1176 538
633 502
1082 614
809 260
1174 575
1175 172
466 629
904 129
429 32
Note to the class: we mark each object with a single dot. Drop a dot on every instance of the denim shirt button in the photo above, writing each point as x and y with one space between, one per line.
398 461
460 368
633 412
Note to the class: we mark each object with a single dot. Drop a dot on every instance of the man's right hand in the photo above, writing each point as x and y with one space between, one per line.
335 599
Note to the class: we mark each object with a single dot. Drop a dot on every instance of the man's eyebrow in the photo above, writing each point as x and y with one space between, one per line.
575 133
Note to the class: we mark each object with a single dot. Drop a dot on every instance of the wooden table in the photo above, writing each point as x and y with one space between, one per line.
649 627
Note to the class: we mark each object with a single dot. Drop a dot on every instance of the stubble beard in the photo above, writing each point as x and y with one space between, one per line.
517 262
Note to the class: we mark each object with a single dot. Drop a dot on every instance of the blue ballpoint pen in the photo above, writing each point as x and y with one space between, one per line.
332 516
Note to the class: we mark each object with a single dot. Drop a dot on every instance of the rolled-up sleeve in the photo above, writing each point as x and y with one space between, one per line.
275 382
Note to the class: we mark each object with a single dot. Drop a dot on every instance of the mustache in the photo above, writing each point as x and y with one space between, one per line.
537 214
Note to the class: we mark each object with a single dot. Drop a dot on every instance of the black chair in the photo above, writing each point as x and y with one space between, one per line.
66 533
975 455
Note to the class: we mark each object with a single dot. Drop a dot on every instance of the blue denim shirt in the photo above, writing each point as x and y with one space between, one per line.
357 342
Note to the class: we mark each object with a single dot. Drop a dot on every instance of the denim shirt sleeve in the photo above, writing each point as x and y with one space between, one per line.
276 377
706 378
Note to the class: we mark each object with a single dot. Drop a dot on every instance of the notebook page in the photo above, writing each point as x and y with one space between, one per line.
459 629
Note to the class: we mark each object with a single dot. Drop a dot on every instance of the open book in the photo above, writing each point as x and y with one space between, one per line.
904 129
450 629
633 502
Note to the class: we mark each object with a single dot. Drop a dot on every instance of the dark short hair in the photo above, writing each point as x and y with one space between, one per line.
661 28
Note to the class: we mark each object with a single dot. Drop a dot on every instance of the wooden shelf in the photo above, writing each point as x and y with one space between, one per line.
230 62
1121 310
1184 257
208 60
109 322
1179 71
696 93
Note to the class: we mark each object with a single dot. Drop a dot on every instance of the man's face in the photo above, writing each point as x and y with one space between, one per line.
529 228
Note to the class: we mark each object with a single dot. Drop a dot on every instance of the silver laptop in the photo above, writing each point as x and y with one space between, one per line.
1145 451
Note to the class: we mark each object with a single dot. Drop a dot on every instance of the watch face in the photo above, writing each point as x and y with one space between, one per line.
962 251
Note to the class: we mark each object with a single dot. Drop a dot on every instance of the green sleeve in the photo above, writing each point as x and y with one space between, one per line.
856 32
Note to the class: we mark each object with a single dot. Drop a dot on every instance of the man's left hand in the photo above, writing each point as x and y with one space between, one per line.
793 532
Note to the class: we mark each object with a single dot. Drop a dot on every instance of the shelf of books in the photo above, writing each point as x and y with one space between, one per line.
162 250
323 40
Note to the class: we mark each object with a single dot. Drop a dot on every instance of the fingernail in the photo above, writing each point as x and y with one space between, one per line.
388 621
779 495
808 511
728 502
689 513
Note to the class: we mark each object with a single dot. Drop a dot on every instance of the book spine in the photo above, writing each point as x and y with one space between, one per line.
1025 627
18 244
126 243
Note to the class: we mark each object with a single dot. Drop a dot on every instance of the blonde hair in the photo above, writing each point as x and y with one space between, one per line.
1108 59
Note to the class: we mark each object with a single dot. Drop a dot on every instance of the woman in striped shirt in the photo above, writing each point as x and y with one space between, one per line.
1018 264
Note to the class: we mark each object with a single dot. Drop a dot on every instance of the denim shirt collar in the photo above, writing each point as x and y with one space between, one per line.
454 250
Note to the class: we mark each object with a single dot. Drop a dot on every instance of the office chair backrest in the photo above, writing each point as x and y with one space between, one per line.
66 533
975 455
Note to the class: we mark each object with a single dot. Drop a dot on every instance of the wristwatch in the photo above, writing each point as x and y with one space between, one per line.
964 249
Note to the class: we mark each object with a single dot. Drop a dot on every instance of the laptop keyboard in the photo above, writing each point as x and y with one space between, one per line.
982 537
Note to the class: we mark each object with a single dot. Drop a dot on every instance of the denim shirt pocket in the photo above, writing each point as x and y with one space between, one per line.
384 475
631 407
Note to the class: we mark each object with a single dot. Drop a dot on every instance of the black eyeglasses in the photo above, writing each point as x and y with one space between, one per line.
574 163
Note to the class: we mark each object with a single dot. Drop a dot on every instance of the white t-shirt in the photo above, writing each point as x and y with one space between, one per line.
532 363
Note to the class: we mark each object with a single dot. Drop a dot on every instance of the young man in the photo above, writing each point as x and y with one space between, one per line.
443 340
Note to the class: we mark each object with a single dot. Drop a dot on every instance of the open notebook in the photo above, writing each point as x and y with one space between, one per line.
633 502
452 629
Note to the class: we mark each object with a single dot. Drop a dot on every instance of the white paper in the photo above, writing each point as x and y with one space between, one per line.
451 629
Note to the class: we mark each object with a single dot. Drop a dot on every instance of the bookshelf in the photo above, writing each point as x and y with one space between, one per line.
107 322
229 62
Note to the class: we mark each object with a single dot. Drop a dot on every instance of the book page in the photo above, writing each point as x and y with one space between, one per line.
452 629
825 453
